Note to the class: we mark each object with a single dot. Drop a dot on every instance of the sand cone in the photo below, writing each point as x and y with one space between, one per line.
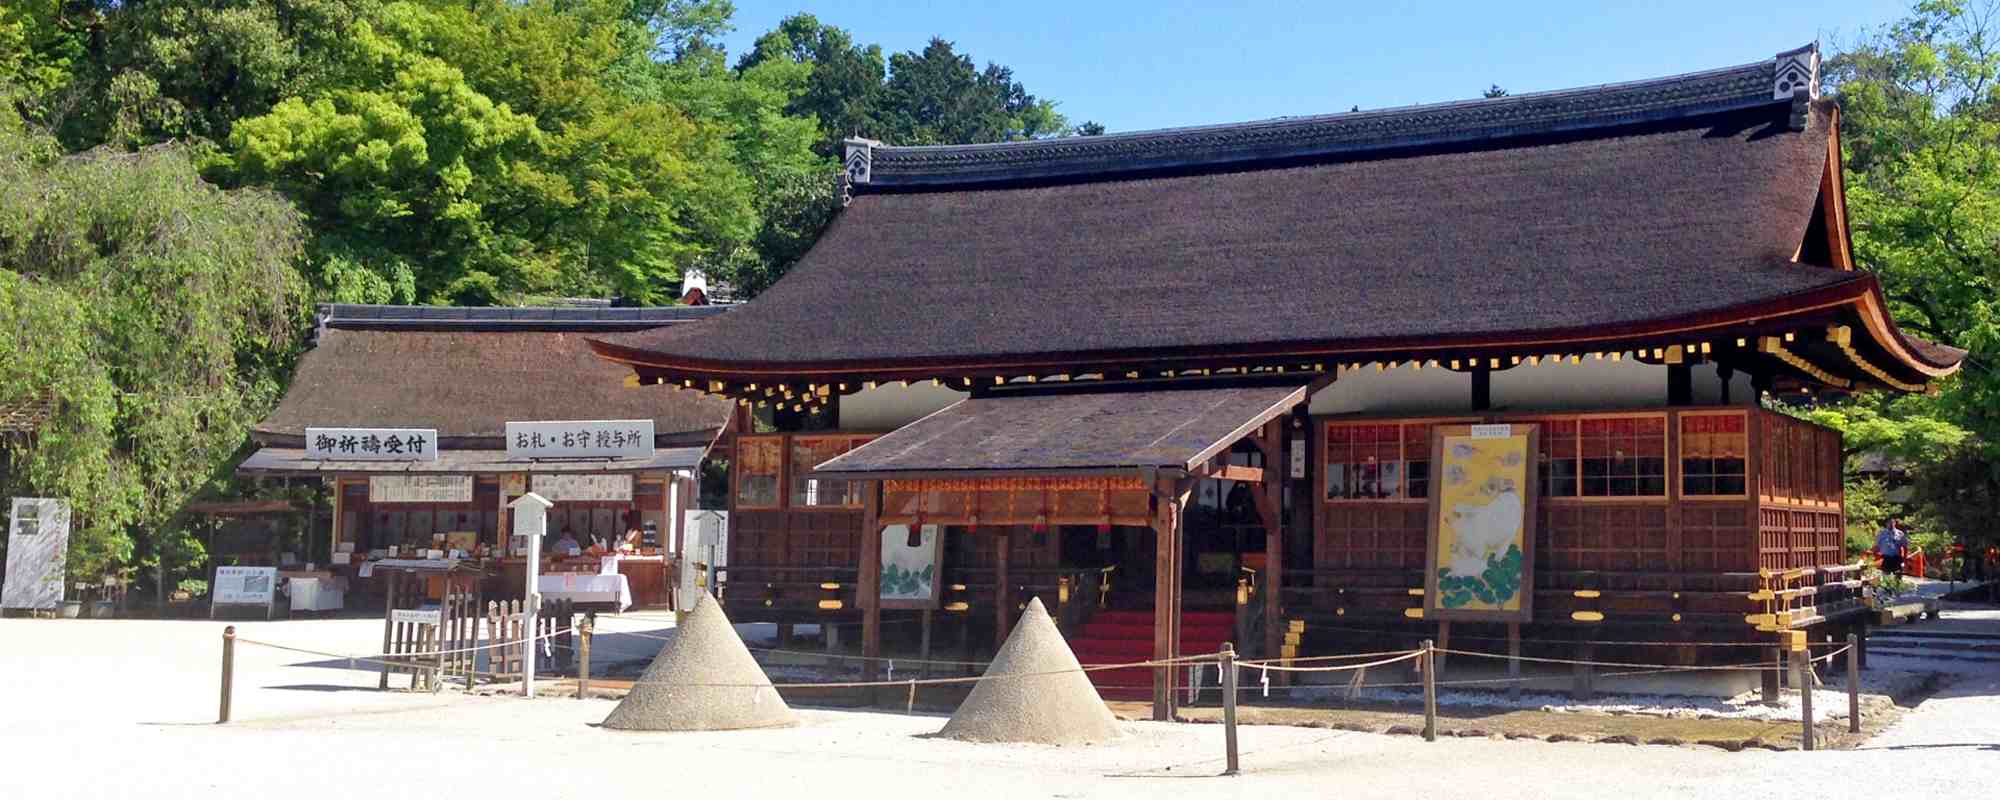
1058 708
680 691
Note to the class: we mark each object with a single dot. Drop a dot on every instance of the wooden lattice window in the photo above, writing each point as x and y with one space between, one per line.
1557 468
1365 461
759 462
812 491
1623 456
1714 454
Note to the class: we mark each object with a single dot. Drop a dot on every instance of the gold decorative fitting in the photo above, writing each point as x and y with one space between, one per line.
831 605
1842 337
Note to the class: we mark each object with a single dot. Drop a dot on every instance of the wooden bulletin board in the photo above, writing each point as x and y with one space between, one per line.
1480 557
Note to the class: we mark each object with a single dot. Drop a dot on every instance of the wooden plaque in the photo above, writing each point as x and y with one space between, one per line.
1483 493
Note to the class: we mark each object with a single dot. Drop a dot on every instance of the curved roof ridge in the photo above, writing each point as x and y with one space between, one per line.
1766 82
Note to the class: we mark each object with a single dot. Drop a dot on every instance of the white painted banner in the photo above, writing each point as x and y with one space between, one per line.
704 551
244 586
372 444
37 554
420 488
612 488
616 438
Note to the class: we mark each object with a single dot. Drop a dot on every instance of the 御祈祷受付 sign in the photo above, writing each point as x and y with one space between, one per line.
618 438
372 444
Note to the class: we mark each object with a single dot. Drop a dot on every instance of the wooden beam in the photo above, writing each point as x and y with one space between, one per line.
1230 472
1482 389
869 595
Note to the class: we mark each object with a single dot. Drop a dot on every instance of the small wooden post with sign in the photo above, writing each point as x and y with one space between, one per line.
1228 666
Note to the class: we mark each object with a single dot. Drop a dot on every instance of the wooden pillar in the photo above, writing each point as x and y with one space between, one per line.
1166 593
1276 470
1680 384
1482 389
869 595
1003 589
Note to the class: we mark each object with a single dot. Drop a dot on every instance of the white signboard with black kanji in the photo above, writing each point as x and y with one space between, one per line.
37 553
420 488
561 488
372 444
620 438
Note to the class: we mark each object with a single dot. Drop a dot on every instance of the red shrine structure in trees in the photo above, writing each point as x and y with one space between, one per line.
1498 362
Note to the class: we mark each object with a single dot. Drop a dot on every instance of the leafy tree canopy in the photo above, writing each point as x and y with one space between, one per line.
155 314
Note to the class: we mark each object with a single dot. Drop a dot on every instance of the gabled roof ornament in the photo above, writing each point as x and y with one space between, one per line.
1795 77
856 166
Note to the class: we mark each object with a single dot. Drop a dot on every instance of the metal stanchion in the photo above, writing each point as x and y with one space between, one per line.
1228 665
228 671
1429 662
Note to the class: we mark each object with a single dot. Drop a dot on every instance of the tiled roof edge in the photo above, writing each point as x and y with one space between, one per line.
1784 78
354 316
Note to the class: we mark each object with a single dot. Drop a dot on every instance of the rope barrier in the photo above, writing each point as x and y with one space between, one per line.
377 657
1275 666
1150 664
1611 643
1579 662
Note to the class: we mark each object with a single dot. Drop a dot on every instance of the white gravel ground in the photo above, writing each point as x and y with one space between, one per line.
124 709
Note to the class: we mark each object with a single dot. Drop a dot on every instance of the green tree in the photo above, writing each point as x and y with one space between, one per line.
1920 125
156 315
939 97
845 79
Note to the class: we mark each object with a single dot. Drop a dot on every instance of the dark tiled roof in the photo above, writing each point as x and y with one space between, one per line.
1351 133
1162 428
470 383
1509 238
1934 352
26 415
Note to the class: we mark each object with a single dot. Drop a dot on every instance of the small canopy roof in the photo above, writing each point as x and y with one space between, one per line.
294 461
1071 432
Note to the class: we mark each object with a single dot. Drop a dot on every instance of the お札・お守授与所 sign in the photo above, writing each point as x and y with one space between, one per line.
617 438
372 444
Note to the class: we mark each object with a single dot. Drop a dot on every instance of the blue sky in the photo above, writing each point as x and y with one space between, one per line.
1140 65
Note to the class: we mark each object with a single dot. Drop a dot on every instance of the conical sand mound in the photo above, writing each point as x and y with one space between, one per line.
704 680
1058 708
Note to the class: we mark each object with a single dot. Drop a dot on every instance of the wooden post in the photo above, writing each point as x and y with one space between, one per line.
1429 662
1443 643
1769 678
1853 683
1166 577
1228 667
1586 675
583 657
1003 594
1277 470
869 596
924 649
388 616
1514 660
1800 666
228 671
1861 645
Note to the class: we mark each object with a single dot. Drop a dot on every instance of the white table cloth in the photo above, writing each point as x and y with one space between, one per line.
585 588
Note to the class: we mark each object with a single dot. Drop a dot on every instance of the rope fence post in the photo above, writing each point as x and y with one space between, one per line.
228 672
1803 677
583 658
1853 684
1429 665
1228 667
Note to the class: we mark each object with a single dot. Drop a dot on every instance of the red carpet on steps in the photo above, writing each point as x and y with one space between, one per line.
1123 637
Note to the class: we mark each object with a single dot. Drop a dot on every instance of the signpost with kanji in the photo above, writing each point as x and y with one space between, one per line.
372 444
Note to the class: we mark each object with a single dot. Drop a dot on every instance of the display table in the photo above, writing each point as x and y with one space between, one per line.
586 588
318 594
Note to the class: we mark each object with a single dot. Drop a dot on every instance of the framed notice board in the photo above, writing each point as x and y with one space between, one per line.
1480 557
